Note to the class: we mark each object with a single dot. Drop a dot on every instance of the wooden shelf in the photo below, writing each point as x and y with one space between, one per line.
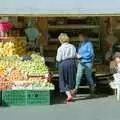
76 39
11 38
97 75
73 26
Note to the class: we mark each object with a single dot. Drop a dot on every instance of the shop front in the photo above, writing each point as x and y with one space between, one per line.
28 42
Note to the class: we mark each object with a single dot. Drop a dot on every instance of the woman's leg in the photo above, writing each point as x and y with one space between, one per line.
64 79
69 96
79 75
80 70
88 73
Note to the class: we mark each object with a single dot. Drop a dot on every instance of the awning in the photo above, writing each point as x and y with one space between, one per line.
59 7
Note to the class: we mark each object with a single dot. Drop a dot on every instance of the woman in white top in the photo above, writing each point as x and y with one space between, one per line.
67 66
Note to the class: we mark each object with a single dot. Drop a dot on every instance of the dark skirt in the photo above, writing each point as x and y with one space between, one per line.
67 75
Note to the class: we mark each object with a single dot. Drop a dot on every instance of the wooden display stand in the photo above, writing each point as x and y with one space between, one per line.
42 24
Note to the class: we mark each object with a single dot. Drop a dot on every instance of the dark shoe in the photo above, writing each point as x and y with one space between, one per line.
92 90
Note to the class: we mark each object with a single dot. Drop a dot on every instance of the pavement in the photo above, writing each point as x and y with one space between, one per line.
102 107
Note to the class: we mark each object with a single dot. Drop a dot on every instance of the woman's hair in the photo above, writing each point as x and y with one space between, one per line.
63 37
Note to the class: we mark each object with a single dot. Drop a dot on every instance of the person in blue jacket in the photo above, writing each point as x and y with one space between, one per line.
85 55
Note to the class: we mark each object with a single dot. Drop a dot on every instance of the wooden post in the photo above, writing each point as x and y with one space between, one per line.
42 25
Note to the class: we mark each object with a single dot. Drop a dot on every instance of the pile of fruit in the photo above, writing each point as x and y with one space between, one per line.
25 68
20 69
4 83
33 65
42 85
16 47
20 45
32 85
2 72
15 75
6 49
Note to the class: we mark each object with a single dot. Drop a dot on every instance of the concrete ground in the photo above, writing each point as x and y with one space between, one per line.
100 108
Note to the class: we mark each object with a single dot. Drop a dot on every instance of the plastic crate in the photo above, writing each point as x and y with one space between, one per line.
40 97
0 97
14 97
26 97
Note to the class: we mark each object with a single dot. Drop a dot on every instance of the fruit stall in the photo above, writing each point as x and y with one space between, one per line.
25 70
24 77
25 73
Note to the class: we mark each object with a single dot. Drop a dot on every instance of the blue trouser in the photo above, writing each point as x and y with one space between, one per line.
81 68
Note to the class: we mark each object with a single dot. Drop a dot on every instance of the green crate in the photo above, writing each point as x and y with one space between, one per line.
14 97
0 97
26 97
40 97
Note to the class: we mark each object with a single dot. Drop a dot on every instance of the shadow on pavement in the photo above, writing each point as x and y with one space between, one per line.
86 97
61 98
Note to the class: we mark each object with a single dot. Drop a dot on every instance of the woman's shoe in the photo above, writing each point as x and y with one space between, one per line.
69 100
92 89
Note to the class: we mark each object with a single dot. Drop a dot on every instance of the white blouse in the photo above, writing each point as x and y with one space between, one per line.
65 51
